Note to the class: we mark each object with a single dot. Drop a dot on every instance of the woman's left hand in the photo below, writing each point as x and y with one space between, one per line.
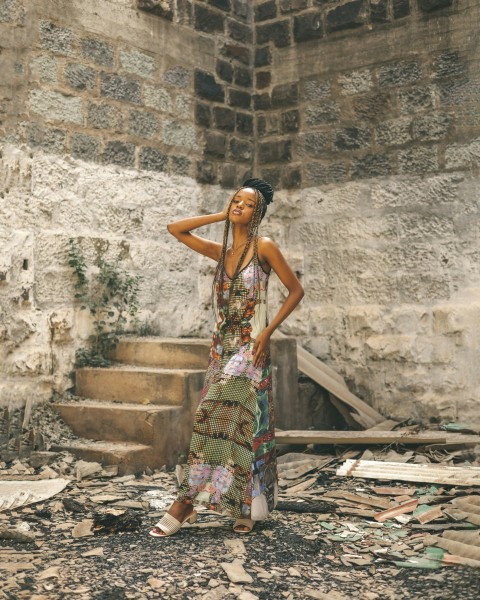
261 348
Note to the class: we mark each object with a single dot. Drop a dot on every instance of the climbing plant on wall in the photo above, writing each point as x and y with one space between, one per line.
110 293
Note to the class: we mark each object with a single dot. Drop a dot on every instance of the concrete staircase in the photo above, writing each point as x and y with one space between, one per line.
138 412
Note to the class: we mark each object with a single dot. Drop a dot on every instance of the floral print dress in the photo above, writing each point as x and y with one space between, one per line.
231 464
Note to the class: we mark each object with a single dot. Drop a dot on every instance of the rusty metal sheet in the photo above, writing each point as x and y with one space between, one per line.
395 511
425 473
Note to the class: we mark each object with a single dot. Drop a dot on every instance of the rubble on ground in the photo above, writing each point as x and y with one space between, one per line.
332 535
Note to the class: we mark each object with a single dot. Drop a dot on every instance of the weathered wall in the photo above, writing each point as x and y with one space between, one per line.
372 110
118 116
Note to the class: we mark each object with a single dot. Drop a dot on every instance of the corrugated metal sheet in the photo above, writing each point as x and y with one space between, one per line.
429 473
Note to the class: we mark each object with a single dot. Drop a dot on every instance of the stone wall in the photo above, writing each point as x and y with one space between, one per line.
371 110
120 115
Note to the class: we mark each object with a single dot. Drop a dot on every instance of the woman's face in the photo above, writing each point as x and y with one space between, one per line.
242 206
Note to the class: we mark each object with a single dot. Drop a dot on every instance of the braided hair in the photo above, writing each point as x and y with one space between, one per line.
264 196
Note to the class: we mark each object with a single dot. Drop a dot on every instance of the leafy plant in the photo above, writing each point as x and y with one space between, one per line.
111 296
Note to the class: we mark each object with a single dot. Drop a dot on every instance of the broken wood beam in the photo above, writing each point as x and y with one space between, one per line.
368 437
425 473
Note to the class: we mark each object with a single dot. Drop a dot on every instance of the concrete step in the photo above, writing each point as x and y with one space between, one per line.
114 422
127 383
169 353
128 456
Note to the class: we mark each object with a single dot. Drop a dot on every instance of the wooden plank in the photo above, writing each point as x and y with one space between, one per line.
332 385
318 364
343 410
353 437
425 473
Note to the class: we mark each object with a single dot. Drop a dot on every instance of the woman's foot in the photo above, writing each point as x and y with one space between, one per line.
243 525
178 510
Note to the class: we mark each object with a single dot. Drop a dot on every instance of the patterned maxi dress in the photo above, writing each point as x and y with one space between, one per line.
231 464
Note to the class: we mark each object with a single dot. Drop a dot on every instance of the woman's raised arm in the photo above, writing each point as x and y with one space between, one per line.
182 231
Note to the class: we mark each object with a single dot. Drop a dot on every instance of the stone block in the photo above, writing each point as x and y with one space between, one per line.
152 159
418 159
221 4
290 121
80 76
374 107
285 94
243 77
431 5
367 319
431 128
322 114
279 150
288 6
449 64
379 11
268 124
44 68
449 319
177 76
241 150
346 16
103 116
242 8
394 132
137 63
239 98
315 144
320 173
415 99
277 32
229 175
50 140
120 88
262 101
178 134
206 172
203 114
399 73
263 57
119 153
162 8
307 26
371 165
291 177
180 165
56 106
85 147
157 97
206 87
401 8
207 20
351 138
316 89
224 118
237 52
355 82
463 156
240 32
56 39
101 53
265 11
262 79
215 144
142 124
183 106
224 70
391 347
244 123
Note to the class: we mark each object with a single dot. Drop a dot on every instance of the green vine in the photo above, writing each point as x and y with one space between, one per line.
111 296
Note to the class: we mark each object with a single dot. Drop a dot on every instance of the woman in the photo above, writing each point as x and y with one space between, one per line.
231 464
